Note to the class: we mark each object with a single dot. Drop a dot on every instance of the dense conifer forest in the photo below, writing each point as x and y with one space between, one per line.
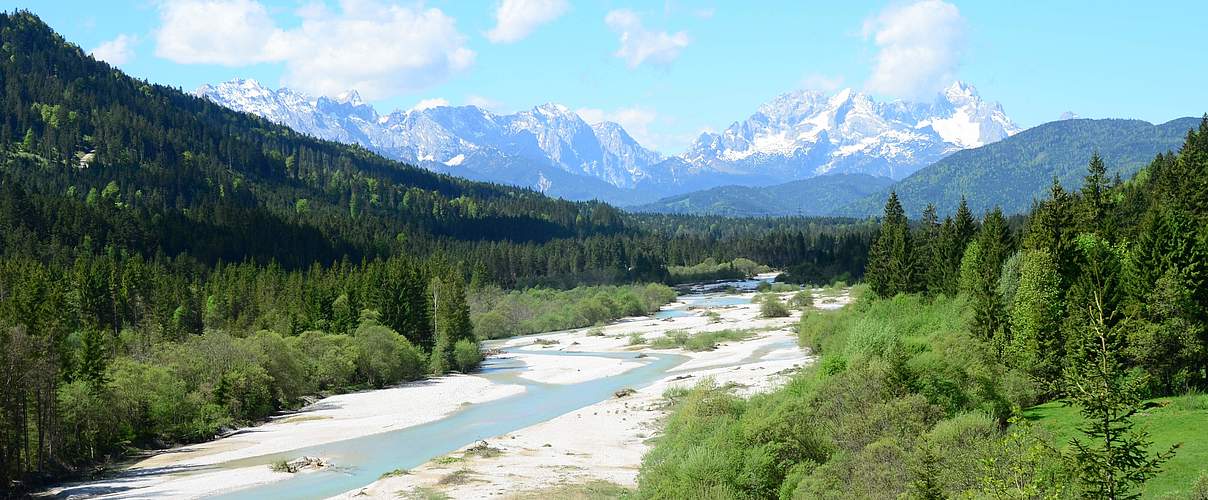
170 269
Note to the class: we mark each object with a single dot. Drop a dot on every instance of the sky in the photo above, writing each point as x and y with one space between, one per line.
666 71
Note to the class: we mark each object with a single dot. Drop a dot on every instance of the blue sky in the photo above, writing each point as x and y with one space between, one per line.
665 70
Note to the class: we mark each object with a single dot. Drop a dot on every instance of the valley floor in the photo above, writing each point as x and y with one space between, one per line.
605 442
601 442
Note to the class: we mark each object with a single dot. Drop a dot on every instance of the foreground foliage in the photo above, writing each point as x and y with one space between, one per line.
1101 302
902 395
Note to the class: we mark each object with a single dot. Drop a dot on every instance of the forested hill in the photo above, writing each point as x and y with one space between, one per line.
815 196
1011 173
136 165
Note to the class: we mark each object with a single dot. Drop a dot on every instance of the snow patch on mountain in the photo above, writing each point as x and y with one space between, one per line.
806 133
551 148
436 135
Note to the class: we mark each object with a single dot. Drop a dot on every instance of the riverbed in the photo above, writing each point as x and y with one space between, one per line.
545 410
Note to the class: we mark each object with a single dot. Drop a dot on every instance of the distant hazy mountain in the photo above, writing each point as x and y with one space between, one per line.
1013 172
815 196
794 136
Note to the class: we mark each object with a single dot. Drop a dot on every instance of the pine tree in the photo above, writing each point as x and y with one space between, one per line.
994 246
1114 461
946 273
1052 229
1096 200
964 228
891 265
929 252
452 316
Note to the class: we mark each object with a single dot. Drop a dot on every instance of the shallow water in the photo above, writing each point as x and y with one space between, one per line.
361 461
673 313
707 301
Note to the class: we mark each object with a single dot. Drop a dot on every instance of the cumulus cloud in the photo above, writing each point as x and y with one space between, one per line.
379 50
635 120
639 45
919 48
117 52
516 19
435 102
227 32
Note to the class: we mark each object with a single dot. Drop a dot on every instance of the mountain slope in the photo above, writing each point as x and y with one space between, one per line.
1013 172
811 197
794 136
103 159
524 148
806 133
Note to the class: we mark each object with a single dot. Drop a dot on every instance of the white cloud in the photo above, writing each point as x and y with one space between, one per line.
919 44
639 45
429 104
516 19
377 49
117 52
227 32
635 120
821 82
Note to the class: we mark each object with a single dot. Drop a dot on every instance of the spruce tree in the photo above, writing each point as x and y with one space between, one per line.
452 317
1113 461
994 243
891 265
929 252
1096 214
1053 228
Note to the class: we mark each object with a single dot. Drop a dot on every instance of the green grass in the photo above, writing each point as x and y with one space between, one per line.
394 473
591 490
422 493
703 341
1175 420
447 460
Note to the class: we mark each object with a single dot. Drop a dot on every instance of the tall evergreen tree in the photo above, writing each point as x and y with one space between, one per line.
929 252
891 266
1096 213
994 246
451 313
1114 460
1053 228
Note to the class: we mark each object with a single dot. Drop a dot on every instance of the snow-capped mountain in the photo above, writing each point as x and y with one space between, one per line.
550 148
806 133
521 148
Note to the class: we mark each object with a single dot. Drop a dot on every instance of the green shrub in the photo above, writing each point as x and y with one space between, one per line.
899 383
802 300
466 355
772 307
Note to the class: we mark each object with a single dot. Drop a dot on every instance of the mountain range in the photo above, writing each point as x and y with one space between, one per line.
794 136
816 196
1012 173
1008 174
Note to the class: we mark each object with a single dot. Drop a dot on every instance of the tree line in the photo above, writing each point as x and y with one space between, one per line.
1101 298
